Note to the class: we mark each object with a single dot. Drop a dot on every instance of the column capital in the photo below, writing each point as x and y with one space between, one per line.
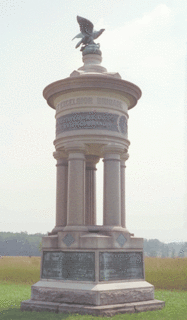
113 149
76 156
60 155
111 157
124 156
91 160
75 148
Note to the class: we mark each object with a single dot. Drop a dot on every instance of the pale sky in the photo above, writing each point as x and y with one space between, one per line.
145 41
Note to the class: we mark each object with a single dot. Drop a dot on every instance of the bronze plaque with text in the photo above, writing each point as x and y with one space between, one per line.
68 265
91 120
120 266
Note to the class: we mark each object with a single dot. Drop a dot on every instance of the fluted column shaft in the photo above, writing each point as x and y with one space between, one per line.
76 189
112 190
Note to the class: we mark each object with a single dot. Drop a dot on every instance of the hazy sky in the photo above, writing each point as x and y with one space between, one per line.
145 41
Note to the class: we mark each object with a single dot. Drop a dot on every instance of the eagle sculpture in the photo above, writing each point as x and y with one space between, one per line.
87 34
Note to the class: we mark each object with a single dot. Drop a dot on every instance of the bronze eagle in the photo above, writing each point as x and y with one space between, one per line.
87 34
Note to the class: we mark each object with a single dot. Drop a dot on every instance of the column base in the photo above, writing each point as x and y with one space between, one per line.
76 228
56 230
106 228
92 237
90 228
111 310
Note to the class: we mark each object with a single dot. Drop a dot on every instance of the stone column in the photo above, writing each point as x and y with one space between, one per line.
112 189
124 157
90 212
76 188
61 191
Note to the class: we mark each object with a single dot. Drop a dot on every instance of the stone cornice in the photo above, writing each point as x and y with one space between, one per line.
92 82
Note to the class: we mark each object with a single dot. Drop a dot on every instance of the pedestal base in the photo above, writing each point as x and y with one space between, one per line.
92 273
96 299
109 310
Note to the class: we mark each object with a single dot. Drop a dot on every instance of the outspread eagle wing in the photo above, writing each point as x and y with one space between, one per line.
86 26
80 35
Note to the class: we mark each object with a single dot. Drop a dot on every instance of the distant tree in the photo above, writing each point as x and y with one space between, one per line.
152 247
40 246
173 252
181 253
22 244
165 251
153 253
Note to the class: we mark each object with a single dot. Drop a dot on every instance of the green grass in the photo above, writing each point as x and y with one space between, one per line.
12 295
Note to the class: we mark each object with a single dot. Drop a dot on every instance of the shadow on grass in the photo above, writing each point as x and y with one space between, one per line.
17 314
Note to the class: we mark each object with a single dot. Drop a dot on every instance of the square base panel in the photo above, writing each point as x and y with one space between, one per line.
109 310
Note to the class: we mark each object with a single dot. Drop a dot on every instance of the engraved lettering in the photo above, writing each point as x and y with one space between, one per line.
91 120
74 101
120 266
88 101
109 102
69 265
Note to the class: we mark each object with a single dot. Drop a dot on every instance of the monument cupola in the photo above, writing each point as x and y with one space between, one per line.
91 123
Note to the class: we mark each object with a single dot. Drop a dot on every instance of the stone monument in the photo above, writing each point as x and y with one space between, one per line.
87 268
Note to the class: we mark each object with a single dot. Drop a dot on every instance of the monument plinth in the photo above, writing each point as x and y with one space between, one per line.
88 268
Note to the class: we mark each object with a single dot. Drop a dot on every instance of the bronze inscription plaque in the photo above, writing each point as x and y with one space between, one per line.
91 120
120 266
68 265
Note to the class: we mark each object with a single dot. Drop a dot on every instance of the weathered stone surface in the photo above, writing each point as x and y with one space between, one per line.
96 310
109 311
31 305
92 297
125 296
149 305
50 242
65 296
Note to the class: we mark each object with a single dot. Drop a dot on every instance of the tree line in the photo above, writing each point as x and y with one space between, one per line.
24 244
20 244
156 248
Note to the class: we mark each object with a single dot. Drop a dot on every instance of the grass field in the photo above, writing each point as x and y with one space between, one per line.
163 273
18 273
167 273
20 270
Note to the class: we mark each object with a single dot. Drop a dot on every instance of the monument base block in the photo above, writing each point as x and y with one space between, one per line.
104 310
97 299
94 276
